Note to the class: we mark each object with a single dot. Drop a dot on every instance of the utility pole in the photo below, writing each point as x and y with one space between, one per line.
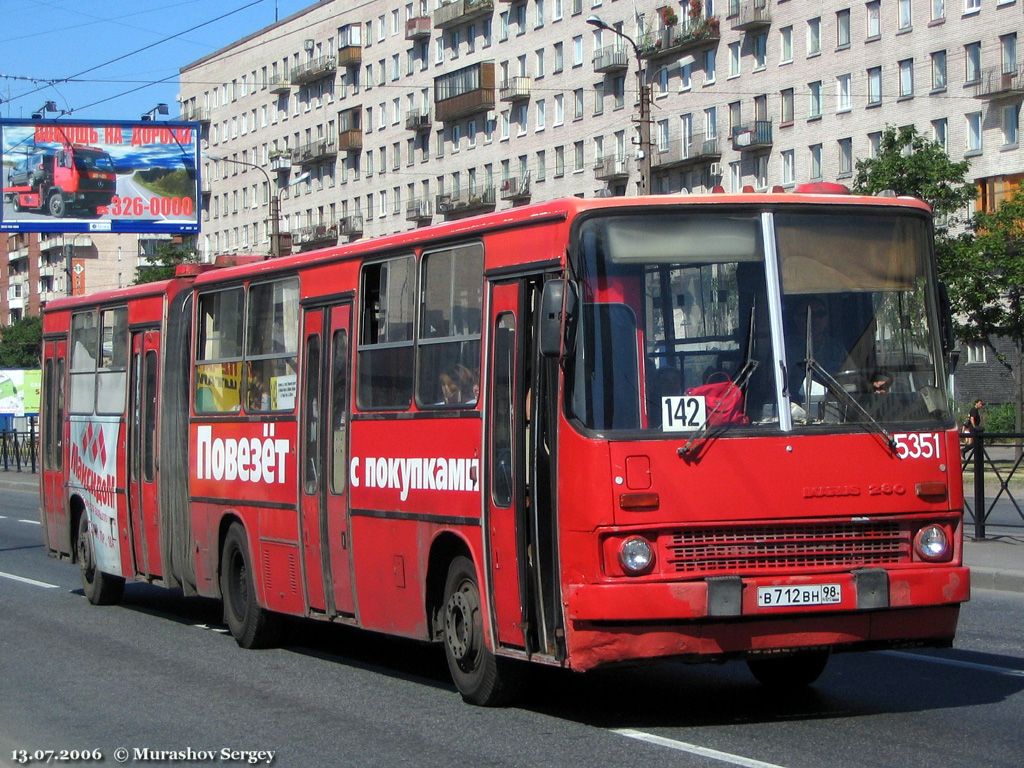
274 210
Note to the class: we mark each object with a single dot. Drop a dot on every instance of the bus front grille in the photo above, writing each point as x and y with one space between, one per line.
766 548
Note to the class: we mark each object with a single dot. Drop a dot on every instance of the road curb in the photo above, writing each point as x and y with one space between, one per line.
1003 581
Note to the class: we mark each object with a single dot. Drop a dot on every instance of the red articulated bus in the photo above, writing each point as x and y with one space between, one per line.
577 433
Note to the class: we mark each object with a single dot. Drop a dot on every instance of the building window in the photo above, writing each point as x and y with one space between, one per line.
939 71
813 37
577 101
843 98
972 6
786 98
577 156
874 29
874 86
972 61
815 153
734 59
845 158
814 100
940 132
874 143
559 59
1008 54
785 45
577 51
843 28
788 166
1011 119
976 353
760 51
973 137
906 78
709 66
905 19
938 9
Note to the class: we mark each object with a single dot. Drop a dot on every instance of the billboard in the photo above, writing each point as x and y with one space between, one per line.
19 391
100 176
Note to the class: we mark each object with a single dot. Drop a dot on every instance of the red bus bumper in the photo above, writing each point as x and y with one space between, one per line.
620 622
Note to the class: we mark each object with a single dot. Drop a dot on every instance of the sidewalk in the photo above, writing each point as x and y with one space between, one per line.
997 562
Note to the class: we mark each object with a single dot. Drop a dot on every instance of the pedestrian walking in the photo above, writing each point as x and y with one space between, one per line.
973 424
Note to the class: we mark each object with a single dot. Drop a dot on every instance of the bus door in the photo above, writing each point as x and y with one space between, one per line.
323 477
144 514
520 522
55 510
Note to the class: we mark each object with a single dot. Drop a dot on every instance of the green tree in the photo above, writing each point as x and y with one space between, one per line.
168 256
21 343
911 164
985 273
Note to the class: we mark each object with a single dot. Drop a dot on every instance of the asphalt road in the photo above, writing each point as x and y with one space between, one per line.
158 672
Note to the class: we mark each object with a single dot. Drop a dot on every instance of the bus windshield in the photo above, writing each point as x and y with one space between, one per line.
679 304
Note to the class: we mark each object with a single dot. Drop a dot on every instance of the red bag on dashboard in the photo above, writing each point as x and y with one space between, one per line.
724 401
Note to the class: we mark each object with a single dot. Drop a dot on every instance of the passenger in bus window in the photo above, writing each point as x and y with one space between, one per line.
258 397
459 385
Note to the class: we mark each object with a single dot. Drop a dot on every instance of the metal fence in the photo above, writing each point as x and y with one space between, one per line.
991 465
19 451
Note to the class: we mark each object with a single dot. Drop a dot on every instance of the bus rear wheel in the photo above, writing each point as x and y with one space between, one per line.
480 677
795 671
251 625
101 588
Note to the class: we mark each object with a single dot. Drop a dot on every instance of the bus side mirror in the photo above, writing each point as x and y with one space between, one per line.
551 318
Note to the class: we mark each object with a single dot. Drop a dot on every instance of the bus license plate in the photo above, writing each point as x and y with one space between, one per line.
807 594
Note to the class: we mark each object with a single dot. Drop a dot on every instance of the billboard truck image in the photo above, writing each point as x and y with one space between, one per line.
99 177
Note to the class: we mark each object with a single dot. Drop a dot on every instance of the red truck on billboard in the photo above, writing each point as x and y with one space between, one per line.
73 177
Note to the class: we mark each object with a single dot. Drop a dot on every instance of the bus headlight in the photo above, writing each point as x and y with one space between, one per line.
932 544
636 555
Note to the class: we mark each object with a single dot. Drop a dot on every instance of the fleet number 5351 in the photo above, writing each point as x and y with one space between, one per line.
917 445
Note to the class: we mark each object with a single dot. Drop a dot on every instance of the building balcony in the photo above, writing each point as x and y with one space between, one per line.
454 99
747 15
204 188
1000 83
418 209
755 137
516 89
612 168
17 254
611 58
350 139
466 201
676 39
418 28
315 234
417 120
516 188
50 243
350 226
315 151
196 115
280 160
350 55
279 84
458 12
697 151
314 69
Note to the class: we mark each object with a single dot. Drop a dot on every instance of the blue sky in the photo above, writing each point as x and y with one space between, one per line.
65 50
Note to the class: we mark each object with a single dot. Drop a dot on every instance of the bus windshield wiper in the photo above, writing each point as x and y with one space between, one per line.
837 389
739 381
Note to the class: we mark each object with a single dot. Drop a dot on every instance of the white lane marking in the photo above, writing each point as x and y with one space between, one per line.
33 582
693 749
30 522
957 663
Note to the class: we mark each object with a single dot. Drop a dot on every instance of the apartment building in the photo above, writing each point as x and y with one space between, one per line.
354 120
34 267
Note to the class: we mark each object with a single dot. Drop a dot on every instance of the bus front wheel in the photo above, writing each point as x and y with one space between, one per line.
480 677
795 671
251 625
101 588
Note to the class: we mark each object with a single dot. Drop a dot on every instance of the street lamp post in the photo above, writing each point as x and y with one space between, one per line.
643 186
275 204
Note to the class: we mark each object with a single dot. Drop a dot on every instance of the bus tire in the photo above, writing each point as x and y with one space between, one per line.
251 625
99 587
479 676
56 205
796 671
